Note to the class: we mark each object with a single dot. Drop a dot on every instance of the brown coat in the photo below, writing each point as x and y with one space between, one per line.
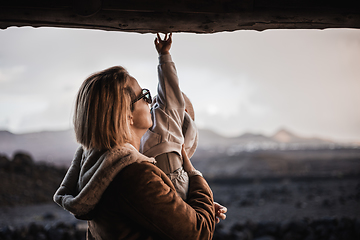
123 195
147 207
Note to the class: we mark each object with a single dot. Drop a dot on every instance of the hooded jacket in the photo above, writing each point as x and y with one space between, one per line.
123 195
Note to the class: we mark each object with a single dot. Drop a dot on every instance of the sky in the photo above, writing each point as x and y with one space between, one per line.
306 81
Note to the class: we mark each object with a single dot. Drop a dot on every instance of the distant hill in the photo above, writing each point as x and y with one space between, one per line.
282 154
208 137
59 147
285 136
283 139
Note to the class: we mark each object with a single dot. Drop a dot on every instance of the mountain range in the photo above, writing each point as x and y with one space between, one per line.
282 137
58 147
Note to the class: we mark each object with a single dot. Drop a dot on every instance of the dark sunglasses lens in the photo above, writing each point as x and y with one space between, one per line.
147 97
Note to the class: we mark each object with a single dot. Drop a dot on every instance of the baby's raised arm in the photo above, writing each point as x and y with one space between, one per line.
169 96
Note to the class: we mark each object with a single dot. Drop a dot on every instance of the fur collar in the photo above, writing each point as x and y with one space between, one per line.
90 174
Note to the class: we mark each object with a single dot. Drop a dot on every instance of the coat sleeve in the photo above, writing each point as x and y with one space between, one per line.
169 96
155 205
68 187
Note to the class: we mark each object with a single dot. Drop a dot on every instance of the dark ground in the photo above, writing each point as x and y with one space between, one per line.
258 208
280 200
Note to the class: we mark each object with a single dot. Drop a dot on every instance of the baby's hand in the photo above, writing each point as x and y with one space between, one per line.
219 212
163 46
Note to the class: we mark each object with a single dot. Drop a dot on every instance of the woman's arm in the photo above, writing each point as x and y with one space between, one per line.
152 202
189 168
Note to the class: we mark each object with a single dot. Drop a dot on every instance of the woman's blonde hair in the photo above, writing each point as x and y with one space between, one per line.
102 108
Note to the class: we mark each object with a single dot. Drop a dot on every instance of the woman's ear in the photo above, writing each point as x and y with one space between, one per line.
131 119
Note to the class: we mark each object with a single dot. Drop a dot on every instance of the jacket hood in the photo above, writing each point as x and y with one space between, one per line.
89 175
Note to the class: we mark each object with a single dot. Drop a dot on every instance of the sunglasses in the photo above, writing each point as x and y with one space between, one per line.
145 94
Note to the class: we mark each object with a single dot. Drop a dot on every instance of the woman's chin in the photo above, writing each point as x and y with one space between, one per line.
150 124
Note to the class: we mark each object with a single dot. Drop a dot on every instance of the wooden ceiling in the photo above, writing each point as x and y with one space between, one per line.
198 16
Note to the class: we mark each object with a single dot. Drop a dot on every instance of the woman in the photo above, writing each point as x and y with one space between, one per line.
121 193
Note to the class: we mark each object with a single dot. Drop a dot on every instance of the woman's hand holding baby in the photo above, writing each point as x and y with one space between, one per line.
188 167
220 212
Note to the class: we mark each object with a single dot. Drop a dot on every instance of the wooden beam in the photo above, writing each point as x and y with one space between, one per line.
200 16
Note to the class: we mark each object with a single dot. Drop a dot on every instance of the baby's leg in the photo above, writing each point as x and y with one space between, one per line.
171 164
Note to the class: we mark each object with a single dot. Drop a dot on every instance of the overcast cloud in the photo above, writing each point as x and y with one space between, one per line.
307 81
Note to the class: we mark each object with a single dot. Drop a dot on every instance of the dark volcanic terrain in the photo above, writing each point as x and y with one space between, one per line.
272 190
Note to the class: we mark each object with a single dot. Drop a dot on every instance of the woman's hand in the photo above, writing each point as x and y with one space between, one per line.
187 165
219 212
163 46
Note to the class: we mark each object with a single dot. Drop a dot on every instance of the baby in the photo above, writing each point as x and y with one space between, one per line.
173 122
174 135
